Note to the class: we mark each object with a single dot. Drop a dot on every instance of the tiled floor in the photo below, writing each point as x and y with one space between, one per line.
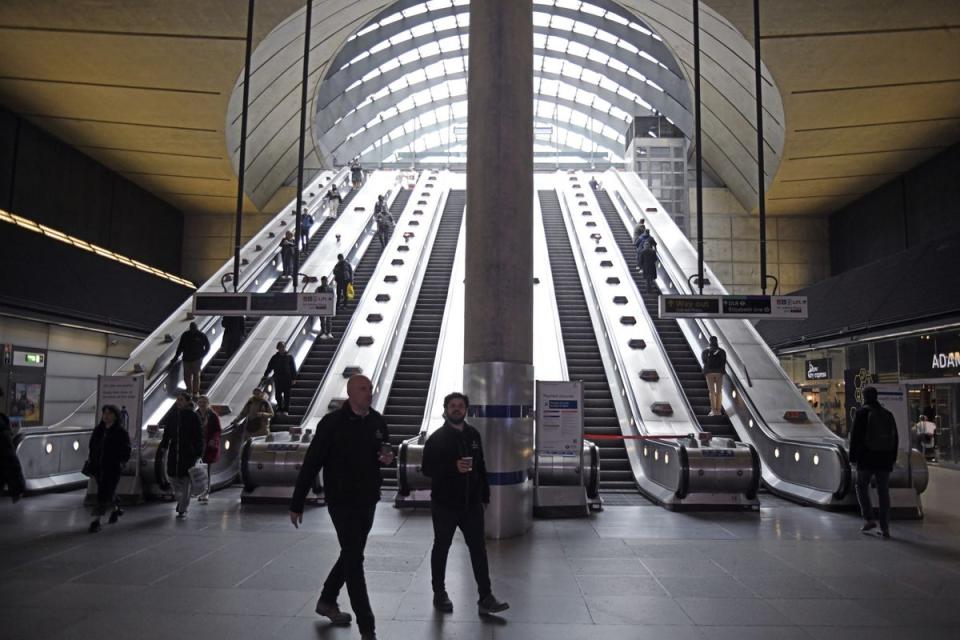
630 572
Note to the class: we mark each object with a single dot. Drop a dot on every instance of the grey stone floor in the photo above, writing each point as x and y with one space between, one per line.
626 573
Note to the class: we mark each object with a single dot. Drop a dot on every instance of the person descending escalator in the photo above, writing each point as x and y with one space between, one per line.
334 200
714 365
233 330
385 227
284 371
183 442
109 453
193 346
286 254
326 322
306 223
255 415
343 276
356 173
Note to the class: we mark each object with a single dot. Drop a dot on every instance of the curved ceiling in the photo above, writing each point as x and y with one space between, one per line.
869 87
635 49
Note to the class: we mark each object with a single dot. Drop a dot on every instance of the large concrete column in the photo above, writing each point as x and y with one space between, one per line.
498 336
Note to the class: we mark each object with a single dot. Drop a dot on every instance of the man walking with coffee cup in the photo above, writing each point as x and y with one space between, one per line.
453 460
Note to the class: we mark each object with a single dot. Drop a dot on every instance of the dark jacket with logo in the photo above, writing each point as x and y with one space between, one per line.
448 487
714 361
860 454
183 440
193 345
347 448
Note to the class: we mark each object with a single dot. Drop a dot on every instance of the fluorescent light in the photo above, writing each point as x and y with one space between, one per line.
20 221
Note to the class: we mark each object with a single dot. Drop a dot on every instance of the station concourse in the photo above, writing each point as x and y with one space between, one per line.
691 262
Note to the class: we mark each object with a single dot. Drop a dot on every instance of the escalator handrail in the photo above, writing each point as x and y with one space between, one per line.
759 422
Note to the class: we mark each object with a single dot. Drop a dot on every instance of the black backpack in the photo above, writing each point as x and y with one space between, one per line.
881 436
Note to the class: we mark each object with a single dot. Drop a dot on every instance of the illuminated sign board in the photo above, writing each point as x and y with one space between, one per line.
759 307
818 369
264 304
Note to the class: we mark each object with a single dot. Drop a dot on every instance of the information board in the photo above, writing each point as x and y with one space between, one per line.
559 418
264 304
759 307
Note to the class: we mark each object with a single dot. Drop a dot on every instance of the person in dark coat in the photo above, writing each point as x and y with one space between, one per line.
342 276
306 223
714 364
183 442
286 254
193 346
334 200
648 264
11 473
284 371
874 442
109 453
326 322
350 445
453 460
233 329
210 422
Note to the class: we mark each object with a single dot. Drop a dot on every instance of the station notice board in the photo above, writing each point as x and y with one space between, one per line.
741 307
559 418
264 304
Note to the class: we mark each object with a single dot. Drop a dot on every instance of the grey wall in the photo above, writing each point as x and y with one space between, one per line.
46 180
921 205
75 357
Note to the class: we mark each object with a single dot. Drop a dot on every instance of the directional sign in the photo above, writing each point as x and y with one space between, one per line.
768 307
264 304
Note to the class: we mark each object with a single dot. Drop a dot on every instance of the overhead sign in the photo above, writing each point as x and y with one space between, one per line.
767 307
264 304
29 358
559 418
818 369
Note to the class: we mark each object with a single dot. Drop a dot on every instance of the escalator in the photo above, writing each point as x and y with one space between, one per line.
685 364
582 351
407 401
210 372
314 365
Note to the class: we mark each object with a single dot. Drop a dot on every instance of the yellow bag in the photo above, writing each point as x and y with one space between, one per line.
351 294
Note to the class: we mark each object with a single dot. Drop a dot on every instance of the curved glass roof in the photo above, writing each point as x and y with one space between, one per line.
397 91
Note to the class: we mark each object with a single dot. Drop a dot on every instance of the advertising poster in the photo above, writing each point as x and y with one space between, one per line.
25 403
125 393
559 418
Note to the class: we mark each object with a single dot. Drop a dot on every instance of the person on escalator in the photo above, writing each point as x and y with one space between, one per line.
380 207
286 254
193 346
233 330
326 322
306 223
594 183
284 371
109 453
183 442
874 442
638 230
255 415
356 173
385 227
648 264
459 489
714 365
210 422
342 275
334 200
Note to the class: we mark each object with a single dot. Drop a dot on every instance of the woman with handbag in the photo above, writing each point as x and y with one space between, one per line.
257 413
183 442
109 453
210 422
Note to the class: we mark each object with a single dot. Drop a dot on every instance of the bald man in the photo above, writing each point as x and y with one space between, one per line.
350 445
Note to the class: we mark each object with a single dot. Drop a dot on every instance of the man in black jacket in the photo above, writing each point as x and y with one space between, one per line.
874 442
284 371
453 460
193 346
714 360
183 441
342 275
350 445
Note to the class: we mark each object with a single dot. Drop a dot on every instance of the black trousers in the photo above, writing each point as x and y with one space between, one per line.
883 495
341 293
282 388
445 524
353 525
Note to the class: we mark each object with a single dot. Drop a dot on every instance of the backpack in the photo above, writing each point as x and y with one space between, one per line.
881 435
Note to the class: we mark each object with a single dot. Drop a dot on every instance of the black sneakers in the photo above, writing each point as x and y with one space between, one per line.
441 602
94 526
488 604
115 515
333 612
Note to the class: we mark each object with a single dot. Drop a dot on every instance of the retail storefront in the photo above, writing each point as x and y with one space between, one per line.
926 363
